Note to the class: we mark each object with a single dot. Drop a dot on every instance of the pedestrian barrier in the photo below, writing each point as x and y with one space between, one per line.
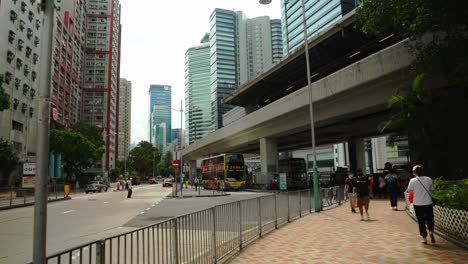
11 197
451 223
207 236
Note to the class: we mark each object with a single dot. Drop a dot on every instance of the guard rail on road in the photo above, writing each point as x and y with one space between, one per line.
207 236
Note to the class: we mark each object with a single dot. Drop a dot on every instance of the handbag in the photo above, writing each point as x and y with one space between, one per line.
433 202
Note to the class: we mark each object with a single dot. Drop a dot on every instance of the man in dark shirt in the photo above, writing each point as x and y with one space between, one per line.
349 187
361 189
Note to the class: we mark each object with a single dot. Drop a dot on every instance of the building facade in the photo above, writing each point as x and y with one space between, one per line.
101 73
160 97
319 14
197 90
67 63
125 118
20 54
240 50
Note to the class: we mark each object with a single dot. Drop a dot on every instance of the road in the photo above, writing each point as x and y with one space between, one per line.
89 217
85 218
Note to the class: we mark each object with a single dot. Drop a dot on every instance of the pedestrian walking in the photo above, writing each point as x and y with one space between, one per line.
196 182
129 189
422 187
349 191
361 190
393 188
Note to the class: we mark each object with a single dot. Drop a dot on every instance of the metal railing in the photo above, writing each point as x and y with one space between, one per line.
11 197
207 236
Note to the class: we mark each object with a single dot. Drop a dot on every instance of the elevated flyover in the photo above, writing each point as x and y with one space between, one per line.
352 79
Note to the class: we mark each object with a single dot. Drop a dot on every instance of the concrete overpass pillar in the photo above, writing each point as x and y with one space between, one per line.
192 169
268 160
357 154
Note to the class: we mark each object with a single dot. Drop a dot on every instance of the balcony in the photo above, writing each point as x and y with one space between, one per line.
8 77
13 16
11 36
10 56
25 89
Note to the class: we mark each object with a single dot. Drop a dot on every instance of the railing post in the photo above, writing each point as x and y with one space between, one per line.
276 211
300 204
11 196
101 252
175 252
289 215
310 201
239 204
259 216
213 244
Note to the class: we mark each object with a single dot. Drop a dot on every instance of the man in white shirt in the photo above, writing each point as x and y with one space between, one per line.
422 188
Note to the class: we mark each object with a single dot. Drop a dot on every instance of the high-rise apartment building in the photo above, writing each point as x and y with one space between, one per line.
319 14
101 72
240 50
67 63
20 54
160 97
197 90
124 119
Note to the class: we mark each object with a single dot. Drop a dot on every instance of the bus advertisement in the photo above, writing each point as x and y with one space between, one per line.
223 172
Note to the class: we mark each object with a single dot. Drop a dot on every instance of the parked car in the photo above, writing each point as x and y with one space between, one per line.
96 186
152 181
168 182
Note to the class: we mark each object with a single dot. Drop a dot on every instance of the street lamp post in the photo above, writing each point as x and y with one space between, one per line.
317 202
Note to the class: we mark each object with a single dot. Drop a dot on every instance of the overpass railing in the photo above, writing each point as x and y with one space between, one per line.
207 236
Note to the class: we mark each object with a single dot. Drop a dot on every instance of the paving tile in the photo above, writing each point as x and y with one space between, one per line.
338 236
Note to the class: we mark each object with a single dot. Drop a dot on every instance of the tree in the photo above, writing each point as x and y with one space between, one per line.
77 151
4 97
438 40
141 158
8 158
91 132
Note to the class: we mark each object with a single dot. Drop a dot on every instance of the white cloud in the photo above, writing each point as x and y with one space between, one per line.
155 36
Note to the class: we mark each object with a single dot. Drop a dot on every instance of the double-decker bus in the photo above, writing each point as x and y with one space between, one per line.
296 172
223 172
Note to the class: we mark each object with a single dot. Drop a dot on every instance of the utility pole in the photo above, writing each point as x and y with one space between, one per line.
180 161
42 174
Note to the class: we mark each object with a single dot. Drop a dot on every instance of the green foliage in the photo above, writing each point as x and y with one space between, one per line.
8 158
114 174
77 151
451 194
437 30
4 97
164 167
141 158
91 132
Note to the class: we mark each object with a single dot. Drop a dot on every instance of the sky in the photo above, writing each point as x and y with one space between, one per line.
155 36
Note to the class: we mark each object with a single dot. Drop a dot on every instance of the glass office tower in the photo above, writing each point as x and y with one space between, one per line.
160 115
197 91
319 14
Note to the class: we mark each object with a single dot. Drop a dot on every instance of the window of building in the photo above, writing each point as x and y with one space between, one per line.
16 126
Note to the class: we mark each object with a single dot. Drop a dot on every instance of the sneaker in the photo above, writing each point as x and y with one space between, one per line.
362 218
367 216
353 210
431 234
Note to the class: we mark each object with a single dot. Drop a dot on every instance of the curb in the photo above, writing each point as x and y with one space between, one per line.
29 204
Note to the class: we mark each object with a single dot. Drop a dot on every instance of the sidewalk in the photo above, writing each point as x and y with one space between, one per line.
338 236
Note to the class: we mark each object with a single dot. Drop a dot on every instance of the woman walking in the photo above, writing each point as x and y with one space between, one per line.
422 188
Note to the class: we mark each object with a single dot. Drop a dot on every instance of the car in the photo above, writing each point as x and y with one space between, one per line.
96 186
152 181
168 182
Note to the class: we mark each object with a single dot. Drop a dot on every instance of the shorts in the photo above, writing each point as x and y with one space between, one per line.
363 201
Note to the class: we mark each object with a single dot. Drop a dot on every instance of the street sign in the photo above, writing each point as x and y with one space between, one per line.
175 164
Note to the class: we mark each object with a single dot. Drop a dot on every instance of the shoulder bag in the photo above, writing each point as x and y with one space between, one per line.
433 203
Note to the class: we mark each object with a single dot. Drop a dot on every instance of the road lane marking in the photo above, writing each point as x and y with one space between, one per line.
66 212
106 202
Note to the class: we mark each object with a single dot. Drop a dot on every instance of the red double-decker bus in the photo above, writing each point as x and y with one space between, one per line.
223 172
